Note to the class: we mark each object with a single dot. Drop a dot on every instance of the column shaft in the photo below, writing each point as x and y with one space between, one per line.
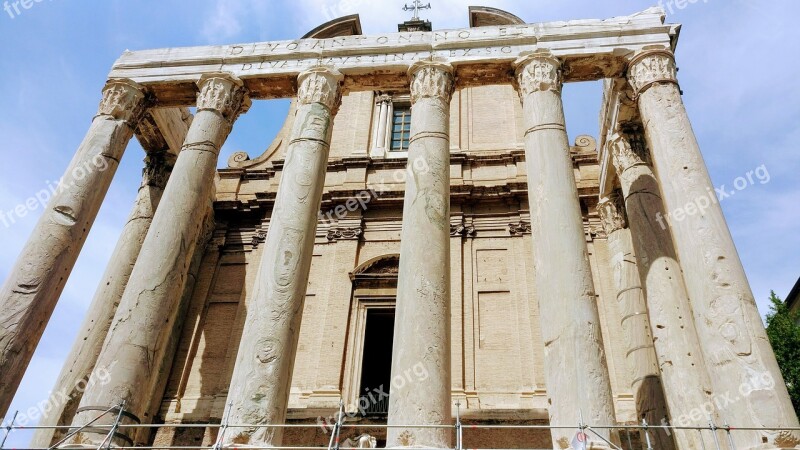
683 369
144 320
259 389
420 392
646 385
34 285
740 360
575 366
81 359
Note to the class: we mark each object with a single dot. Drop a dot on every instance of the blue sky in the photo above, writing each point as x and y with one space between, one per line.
738 72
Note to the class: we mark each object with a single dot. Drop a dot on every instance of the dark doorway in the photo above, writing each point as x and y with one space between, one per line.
376 366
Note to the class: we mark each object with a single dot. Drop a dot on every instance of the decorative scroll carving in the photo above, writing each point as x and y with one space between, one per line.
622 154
259 238
612 213
157 169
432 80
383 98
462 230
223 93
125 100
320 85
336 234
539 71
650 67
520 228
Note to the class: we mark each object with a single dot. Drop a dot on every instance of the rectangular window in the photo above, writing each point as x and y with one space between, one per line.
401 128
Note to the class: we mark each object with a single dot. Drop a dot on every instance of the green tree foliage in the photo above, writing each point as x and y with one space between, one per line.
784 335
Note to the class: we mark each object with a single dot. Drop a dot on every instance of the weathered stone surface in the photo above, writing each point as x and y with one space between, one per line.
147 311
422 323
682 367
575 366
732 336
81 359
259 391
640 355
34 285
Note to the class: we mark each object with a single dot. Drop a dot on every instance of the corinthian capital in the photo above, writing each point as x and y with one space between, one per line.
612 213
650 67
320 85
431 79
538 71
622 154
223 93
125 100
157 168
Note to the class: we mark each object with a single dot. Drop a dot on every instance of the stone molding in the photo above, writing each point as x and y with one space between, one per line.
537 72
124 100
519 228
650 67
224 94
431 79
321 85
612 213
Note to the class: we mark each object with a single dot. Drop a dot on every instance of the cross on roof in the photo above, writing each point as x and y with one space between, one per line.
416 7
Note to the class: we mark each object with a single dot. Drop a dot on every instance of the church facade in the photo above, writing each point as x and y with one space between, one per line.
420 244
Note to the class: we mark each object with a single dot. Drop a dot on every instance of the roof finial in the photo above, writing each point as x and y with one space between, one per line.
416 7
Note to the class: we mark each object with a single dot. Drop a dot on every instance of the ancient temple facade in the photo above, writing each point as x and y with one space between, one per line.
420 246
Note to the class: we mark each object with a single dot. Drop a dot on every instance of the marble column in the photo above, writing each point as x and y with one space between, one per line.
740 359
383 126
259 389
30 293
141 328
420 389
81 359
683 369
575 365
640 356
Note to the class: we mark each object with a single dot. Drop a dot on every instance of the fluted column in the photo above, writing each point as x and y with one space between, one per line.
739 357
34 285
640 356
683 369
259 389
575 367
422 318
144 319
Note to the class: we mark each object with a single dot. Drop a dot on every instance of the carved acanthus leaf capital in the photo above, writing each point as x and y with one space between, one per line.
430 79
320 85
622 154
651 67
223 93
612 213
124 99
157 169
538 71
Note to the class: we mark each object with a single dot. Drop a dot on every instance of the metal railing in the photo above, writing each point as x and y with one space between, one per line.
581 429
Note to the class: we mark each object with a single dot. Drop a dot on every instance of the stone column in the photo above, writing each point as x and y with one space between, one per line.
732 336
383 127
34 285
648 392
81 359
575 366
144 319
420 392
259 389
683 369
